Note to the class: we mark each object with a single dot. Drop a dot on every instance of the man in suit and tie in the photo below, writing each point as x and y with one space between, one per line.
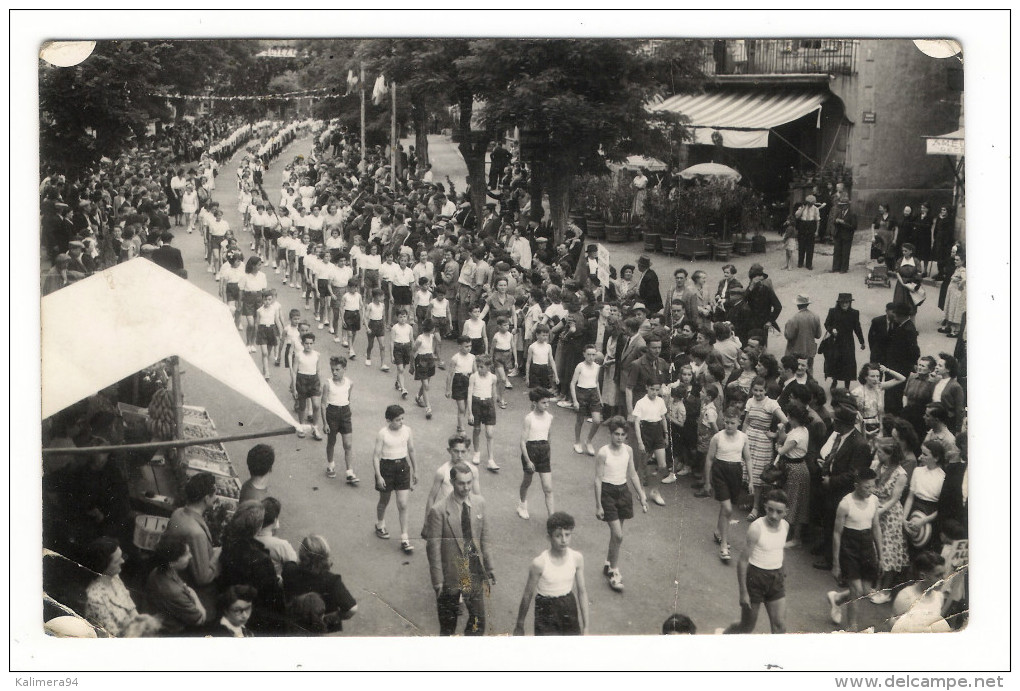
843 455
893 341
633 348
458 553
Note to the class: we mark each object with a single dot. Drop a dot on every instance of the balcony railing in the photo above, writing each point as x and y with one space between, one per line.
780 56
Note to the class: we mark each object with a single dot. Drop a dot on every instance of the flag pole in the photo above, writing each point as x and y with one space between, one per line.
393 136
364 164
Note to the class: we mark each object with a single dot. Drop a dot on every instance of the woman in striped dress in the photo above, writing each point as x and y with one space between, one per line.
759 413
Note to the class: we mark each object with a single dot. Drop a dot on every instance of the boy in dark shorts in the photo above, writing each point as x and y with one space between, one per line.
614 467
728 456
424 356
540 370
304 381
336 417
482 391
535 452
650 433
556 582
760 573
375 312
350 308
401 337
504 360
462 366
585 390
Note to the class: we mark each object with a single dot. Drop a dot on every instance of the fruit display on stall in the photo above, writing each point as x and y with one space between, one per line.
161 415
228 487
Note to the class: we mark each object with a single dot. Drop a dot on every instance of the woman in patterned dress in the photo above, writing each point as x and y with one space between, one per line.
759 413
870 395
892 479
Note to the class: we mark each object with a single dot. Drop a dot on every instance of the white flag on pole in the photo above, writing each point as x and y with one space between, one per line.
380 89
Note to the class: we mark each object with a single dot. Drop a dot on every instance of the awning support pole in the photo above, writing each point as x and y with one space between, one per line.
173 443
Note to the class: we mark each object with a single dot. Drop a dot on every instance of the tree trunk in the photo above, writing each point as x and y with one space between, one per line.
536 188
420 120
472 146
558 186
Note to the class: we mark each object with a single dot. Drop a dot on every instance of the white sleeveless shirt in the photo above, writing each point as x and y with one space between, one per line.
615 472
557 580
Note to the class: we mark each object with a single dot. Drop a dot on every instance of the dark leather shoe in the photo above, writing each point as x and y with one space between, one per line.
823 565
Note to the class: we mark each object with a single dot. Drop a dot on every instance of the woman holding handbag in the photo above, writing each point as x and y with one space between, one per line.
842 323
870 395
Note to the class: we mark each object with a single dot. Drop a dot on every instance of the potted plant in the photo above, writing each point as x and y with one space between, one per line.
660 219
692 217
617 201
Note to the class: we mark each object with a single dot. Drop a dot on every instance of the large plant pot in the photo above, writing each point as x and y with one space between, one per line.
653 241
615 233
742 246
721 249
596 229
668 244
758 244
579 220
692 246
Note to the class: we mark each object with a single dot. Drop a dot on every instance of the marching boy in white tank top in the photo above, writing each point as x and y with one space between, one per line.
556 581
535 452
760 573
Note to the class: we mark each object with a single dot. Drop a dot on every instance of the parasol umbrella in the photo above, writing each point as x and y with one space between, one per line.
715 171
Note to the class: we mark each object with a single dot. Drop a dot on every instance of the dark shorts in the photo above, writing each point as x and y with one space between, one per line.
402 353
765 585
265 335
308 385
396 473
540 375
616 502
556 616
424 366
250 301
233 292
338 417
857 557
375 328
478 346
459 386
538 451
442 325
323 286
371 278
421 313
402 295
352 320
483 410
504 358
727 479
588 401
281 254
652 436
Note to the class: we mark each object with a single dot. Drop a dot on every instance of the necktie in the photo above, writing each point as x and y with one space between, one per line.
465 528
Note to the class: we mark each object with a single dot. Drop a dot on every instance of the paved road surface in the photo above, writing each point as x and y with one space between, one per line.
668 561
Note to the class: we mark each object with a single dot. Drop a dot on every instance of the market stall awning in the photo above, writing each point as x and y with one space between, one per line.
105 328
946 144
742 118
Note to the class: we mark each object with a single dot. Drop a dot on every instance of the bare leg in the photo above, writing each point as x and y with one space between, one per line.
615 540
547 488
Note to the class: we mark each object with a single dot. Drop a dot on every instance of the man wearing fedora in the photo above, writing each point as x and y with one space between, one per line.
844 454
763 305
893 341
808 222
844 223
802 332
589 265
648 285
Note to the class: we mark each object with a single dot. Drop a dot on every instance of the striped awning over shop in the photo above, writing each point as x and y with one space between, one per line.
743 118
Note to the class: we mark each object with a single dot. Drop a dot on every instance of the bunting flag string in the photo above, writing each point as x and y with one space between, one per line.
287 96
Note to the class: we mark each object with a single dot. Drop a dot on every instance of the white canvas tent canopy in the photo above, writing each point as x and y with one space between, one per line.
105 328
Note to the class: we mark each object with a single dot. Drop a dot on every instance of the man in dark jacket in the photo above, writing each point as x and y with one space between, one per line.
763 305
844 223
893 341
167 256
648 287
844 454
